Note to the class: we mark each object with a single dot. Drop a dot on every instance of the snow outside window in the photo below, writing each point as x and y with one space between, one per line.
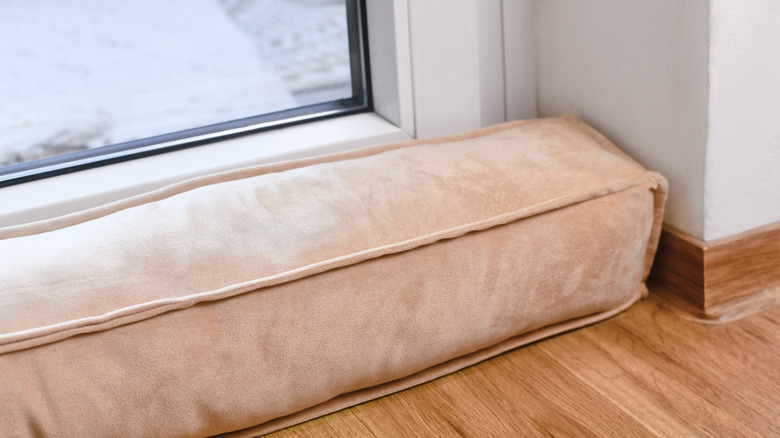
81 79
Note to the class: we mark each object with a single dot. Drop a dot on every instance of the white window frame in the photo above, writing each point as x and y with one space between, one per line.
432 74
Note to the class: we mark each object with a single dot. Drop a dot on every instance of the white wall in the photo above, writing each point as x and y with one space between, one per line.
742 176
690 88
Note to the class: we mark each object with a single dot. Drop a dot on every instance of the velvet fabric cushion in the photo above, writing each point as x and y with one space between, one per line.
251 300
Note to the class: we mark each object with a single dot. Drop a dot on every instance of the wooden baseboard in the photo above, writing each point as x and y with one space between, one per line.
724 278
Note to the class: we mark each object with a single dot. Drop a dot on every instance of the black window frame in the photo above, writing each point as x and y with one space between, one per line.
360 102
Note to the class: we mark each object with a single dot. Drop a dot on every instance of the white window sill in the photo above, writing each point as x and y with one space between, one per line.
52 197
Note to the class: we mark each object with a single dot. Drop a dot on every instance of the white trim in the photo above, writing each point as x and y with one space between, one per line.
391 68
445 70
462 60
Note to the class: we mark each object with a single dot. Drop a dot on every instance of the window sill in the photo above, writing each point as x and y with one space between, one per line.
57 196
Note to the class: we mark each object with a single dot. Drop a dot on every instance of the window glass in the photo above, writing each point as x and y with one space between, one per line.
77 75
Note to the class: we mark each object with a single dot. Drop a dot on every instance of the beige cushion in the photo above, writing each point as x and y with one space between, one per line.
251 300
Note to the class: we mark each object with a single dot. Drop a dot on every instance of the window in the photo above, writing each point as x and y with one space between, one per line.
448 86
87 82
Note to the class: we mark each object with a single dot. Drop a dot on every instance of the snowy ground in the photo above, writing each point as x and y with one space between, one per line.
86 73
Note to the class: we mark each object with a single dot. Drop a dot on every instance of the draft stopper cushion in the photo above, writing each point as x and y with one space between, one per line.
251 300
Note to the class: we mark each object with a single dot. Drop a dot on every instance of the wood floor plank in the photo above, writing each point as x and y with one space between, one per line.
478 393
733 366
445 407
401 415
637 388
642 361
566 405
339 424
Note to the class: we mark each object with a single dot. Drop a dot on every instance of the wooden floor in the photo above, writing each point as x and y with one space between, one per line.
650 371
